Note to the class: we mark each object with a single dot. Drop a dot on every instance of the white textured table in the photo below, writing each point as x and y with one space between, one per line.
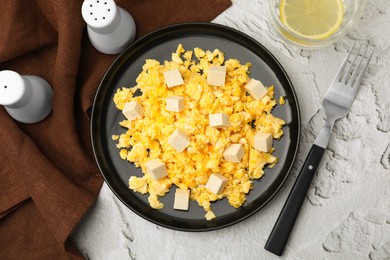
347 211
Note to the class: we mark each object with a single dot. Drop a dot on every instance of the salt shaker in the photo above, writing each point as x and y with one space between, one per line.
27 98
110 28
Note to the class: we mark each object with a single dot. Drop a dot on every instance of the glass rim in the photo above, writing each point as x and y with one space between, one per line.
346 26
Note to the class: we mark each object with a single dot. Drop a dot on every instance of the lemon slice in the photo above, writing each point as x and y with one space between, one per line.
312 19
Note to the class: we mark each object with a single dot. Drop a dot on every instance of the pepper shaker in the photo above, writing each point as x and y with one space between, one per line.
27 98
110 28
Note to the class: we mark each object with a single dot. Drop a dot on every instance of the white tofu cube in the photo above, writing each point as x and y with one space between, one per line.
133 110
256 89
233 153
179 140
216 183
182 199
263 141
219 120
216 76
156 169
173 78
175 104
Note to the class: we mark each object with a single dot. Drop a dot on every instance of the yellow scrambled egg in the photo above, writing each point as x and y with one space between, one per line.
147 138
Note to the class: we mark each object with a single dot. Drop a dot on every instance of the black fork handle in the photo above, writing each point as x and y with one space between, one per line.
282 229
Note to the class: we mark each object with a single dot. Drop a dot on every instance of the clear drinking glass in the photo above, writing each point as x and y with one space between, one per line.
353 10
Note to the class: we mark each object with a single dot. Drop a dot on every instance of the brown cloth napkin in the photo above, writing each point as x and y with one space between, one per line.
48 176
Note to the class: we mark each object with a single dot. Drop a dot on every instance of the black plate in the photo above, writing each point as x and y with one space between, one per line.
159 45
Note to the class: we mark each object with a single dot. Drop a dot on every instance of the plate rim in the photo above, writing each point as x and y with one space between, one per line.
169 28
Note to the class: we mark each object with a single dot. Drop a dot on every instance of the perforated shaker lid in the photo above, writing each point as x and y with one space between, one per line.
99 13
12 87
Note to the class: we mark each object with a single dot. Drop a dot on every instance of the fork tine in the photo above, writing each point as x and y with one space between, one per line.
359 77
340 73
346 74
357 72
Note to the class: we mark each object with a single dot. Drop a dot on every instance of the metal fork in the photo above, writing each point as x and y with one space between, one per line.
337 103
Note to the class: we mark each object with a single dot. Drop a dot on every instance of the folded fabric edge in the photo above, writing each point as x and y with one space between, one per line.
12 209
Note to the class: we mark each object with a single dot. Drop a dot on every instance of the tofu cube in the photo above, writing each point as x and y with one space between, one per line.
175 104
263 141
182 199
233 153
219 120
132 110
173 78
216 183
179 140
256 89
216 76
156 169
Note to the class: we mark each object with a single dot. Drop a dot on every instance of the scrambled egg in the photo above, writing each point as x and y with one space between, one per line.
147 138
282 101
